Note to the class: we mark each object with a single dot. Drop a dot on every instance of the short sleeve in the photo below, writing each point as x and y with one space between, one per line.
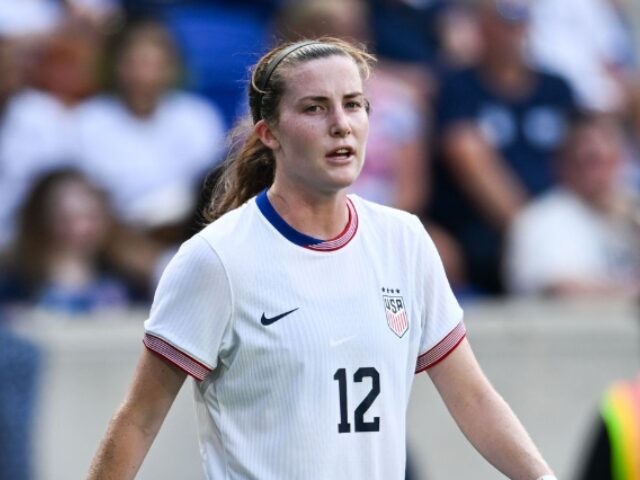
443 327
192 309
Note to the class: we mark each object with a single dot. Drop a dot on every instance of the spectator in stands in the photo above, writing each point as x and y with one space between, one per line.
498 126
424 38
417 22
148 144
37 131
99 15
583 236
38 18
56 261
590 44
459 40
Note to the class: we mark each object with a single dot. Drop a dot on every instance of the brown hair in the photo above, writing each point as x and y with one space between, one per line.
33 248
250 165
134 33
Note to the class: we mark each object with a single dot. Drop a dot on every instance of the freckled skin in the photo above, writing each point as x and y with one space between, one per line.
323 108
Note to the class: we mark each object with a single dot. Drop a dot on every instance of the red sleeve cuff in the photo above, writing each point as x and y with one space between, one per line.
443 348
180 359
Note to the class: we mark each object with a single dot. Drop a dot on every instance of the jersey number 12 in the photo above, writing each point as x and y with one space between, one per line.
360 425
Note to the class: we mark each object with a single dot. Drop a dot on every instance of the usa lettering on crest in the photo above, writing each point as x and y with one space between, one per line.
396 314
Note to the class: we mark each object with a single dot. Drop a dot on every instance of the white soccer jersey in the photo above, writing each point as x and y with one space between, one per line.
304 350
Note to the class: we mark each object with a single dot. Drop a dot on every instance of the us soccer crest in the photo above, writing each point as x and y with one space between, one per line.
395 310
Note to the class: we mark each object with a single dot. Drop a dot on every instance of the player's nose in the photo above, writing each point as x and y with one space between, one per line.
340 126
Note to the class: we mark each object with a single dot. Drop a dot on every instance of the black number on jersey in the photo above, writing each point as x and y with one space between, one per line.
361 426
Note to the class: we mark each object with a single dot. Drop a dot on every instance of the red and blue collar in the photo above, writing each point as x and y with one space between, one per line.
303 240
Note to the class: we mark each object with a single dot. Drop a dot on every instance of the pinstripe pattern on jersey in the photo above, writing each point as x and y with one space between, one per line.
254 407
175 356
442 349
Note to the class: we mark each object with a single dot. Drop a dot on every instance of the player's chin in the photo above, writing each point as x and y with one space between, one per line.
334 186
344 179
347 173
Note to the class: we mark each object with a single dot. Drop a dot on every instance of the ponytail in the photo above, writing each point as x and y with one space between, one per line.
248 169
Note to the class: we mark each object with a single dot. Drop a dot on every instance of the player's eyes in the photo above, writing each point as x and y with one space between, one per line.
353 105
349 105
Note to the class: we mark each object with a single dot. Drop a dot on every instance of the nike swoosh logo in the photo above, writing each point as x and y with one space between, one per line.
340 341
268 321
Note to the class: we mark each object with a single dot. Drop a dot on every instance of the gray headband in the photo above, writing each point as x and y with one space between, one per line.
273 64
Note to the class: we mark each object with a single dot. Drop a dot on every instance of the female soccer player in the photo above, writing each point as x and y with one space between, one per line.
303 313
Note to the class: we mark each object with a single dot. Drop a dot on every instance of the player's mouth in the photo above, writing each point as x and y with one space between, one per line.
341 154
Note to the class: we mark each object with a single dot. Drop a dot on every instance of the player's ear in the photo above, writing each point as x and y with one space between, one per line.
266 135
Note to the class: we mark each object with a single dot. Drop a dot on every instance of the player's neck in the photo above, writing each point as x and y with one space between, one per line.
321 217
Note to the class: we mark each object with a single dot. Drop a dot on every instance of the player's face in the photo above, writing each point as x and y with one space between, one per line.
322 127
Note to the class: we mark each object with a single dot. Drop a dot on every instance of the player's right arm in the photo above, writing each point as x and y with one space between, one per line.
137 421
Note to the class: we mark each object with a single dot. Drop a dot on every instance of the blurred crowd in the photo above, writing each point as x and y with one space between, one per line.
511 128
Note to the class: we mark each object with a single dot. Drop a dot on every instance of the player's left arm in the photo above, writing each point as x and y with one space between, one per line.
484 417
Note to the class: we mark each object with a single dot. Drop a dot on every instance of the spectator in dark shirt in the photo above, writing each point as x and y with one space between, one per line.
497 128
